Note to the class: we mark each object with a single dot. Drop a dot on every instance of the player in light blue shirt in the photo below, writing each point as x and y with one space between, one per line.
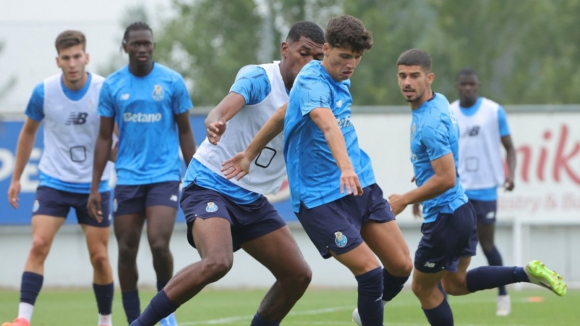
449 229
150 104
333 189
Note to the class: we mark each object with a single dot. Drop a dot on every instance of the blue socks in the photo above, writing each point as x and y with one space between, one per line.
494 259
159 308
370 293
104 296
489 277
30 287
440 315
392 285
131 304
259 321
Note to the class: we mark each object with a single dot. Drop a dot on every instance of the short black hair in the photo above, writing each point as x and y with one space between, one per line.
307 29
348 32
136 26
415 57
466 71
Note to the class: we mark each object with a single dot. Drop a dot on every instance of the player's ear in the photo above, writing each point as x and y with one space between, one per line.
57 61
284 49
325 49
430 77
87 58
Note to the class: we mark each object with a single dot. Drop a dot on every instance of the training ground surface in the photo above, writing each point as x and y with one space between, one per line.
316 308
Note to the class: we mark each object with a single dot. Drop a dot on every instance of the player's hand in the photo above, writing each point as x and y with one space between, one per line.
215 130
113 152
417 213
349 182
508 185
397 203
13 192
94 206
237 166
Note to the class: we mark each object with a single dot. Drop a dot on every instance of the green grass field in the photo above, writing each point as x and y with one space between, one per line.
317 307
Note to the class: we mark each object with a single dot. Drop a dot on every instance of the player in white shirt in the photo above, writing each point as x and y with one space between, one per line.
67 103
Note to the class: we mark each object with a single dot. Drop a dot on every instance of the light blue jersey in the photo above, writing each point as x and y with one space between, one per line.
434 134
486 194
144 109
253 84
313 174
35 111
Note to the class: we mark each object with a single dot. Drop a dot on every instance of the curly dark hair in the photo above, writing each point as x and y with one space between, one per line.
348 32
415 57
307 29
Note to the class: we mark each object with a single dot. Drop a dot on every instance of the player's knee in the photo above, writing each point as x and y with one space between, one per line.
421 290
214 268
160 249
100 260
40 248
402 268
487 246
300 279
127 254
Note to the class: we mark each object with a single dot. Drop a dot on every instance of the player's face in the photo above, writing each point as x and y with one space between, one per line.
72 61
340 62
297 54
415 83
467 86
140 46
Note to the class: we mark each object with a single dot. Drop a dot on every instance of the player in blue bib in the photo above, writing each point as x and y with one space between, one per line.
150 104
333 189
67 104
449 227
483 131
223 215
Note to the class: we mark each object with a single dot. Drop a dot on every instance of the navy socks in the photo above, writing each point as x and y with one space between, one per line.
440 315
494 259
131 304
489 277
392 285
370 293
159 308
104 296
30 287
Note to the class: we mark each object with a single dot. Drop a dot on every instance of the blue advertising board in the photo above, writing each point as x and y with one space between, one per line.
9 132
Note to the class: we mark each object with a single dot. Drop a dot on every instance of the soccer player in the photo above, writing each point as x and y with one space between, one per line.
67 103
333 188
449 228
483 129
150 104
224 216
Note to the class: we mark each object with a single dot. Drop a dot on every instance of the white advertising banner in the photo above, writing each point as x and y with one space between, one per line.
547 181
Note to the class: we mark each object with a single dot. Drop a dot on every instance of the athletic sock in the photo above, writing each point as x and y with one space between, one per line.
260 321
370 293
489 277
392 285
159 308
494 259
104 296
29 289
440 315
131 304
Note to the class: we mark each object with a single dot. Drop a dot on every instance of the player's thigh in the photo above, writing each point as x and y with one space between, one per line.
424 283
128 228
277 251
213 238
359 260
160 223
455 283
97 239
44 228
387 242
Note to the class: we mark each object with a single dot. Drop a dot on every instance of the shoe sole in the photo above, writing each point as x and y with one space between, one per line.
555 282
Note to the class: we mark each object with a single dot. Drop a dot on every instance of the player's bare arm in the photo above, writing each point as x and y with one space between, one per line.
186 138
326 121
443 180
216 120
239 165
23 150
507 143
102 149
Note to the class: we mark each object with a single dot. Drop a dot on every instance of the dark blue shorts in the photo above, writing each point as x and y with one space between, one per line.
448 238
485 210
135 199
57 203
336 225
248 222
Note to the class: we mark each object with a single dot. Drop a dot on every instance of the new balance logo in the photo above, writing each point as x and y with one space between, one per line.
429 265
471 132
77 118
173 198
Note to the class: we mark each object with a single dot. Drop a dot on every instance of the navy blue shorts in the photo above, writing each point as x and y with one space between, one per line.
248 222
448 238
135 199
336 225
57 203
485 210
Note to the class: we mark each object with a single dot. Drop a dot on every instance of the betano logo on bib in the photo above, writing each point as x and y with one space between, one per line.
142 117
